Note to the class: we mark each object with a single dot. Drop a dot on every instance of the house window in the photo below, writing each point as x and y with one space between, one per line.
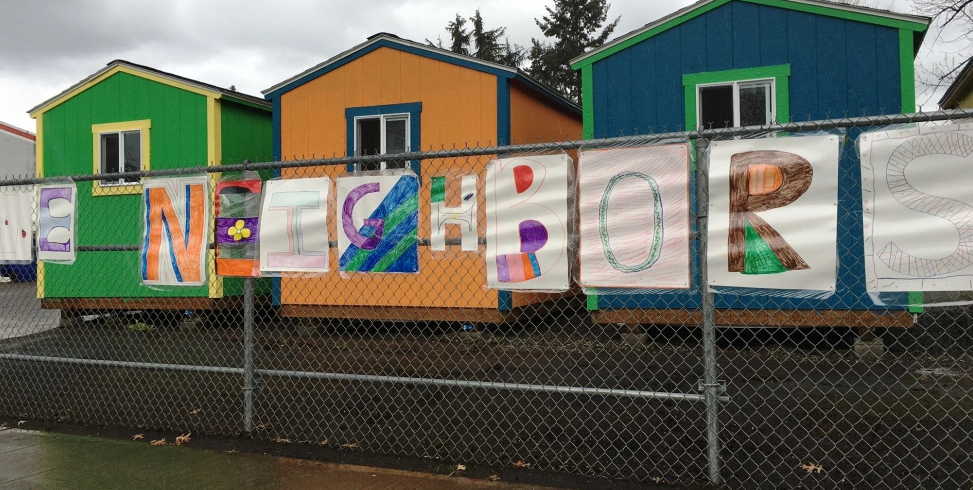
380 135
736 104
121 152
383 130
120 147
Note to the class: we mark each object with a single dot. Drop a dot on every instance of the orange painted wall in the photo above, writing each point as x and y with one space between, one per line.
534 119
459 108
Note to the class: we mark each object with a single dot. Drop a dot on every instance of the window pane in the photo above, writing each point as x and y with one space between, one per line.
716 107
369 141
109 153
395 140
133 153
755 105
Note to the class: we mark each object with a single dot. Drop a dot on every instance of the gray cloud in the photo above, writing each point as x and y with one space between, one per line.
250 44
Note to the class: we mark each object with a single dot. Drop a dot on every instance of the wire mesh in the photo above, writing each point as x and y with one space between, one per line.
781 392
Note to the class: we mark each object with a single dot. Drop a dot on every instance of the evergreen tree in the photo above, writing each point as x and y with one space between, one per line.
459 35
574 25
481 42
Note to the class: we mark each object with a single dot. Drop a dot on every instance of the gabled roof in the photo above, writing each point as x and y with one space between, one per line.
915 23
17 131
961 86
384 39
151 74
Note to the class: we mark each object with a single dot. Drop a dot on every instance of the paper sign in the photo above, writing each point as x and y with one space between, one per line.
57 231
773 216
294 225
527 223
378 219
917 196
634 217
176 231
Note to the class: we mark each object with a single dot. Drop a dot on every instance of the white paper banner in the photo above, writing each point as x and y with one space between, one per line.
527 223
176 231
56 223
634 217
917 196
463 216
773 216
294 225
378 223
16 223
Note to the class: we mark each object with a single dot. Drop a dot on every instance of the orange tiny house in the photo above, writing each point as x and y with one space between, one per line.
390 95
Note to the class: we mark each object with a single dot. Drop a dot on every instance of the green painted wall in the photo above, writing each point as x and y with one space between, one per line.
247 134
178 139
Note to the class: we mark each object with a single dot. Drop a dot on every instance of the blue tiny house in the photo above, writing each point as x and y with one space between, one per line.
728 63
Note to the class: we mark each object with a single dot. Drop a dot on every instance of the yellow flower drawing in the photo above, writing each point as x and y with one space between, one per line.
238 231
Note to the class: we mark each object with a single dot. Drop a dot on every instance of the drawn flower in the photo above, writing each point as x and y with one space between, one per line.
238 231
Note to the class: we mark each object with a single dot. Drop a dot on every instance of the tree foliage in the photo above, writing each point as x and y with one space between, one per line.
480 42
950 39
573 26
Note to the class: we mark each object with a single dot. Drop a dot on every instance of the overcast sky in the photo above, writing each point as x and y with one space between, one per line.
50 45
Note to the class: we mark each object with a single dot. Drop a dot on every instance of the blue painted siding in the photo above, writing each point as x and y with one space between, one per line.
826 75
837 67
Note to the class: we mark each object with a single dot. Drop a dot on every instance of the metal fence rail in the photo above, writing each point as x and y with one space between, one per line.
680 387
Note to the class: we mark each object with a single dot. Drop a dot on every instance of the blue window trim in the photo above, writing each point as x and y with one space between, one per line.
413 109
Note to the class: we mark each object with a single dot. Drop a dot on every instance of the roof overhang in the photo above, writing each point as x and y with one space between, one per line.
122 66
14 130
956 91
916 23
392 41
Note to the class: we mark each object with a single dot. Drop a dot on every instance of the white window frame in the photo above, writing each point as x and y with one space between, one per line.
737 85
115 188
121 156
383 119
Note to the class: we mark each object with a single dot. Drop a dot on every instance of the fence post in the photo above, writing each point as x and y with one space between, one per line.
249 366
710 383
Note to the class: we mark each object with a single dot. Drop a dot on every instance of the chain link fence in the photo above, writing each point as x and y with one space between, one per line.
683 387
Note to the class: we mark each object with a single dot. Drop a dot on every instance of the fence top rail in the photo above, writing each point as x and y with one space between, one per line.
825 124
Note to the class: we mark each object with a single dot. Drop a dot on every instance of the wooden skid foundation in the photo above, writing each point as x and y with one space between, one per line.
398 313
758 318
142 303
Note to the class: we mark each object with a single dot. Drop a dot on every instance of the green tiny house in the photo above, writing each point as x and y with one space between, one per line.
153 120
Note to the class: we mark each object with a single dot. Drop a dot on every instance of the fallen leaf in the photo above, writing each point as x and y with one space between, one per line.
22 422
138 437
521 464
183 439
811 468
324 442
158 442
351 445
461 467
493 478
282 440
657 479
194 412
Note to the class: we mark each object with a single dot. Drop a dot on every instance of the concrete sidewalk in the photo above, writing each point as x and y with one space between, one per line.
44 460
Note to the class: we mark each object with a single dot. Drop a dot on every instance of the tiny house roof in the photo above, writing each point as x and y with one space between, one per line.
14 130
150 73
961 86
384 39
915 23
